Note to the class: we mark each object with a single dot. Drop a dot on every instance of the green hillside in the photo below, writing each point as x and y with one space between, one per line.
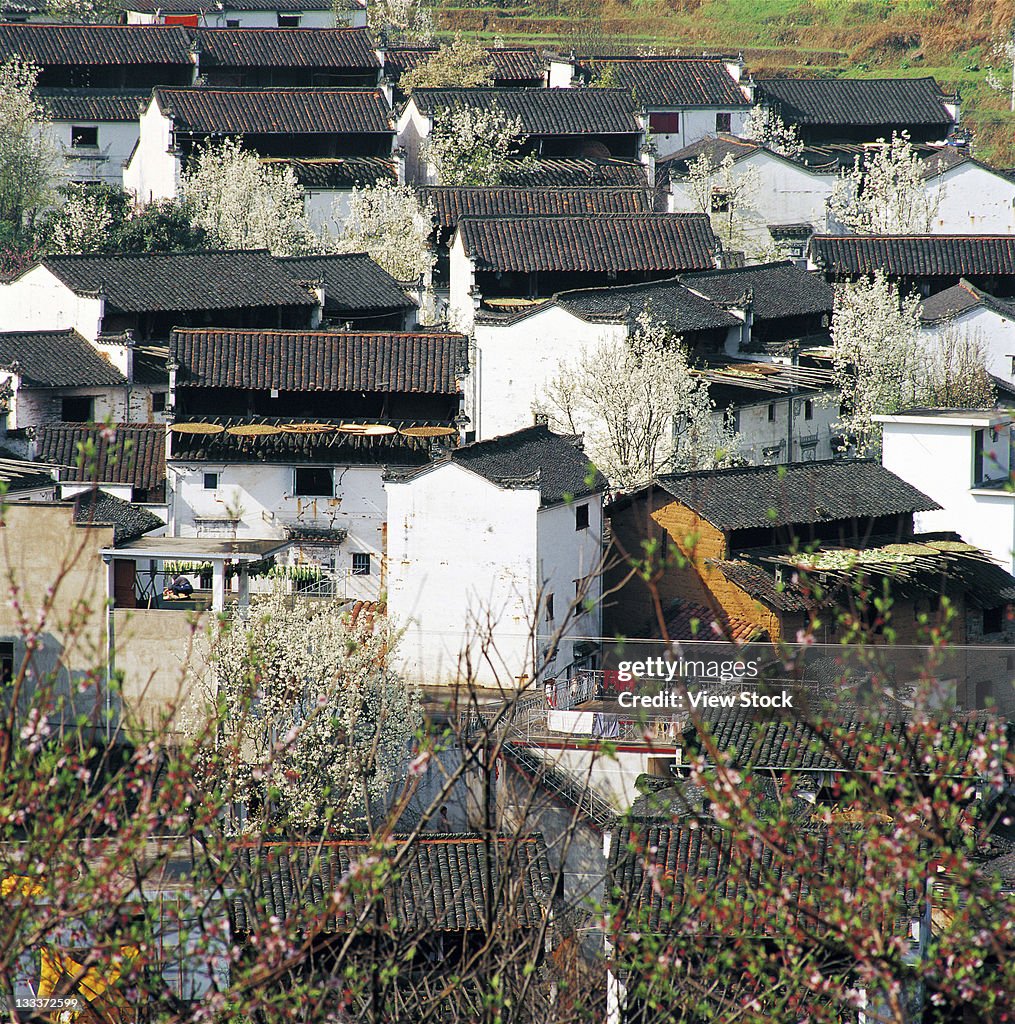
950 39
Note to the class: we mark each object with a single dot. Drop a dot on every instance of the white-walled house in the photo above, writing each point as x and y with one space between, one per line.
972 198
249 13
494 555
94 130
787 192
685 98
965 311
962 458
286 434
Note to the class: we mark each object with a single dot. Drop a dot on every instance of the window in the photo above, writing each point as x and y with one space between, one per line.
158 401
84 137
313 482
232 22
993 619
1011 367
978 457
288 21
664 124
723 122
211 481
581 517
720 200
771 412
77 409
808 410
549 607
361 563
6 662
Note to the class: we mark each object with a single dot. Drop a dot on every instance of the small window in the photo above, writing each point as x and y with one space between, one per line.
664 124
288 21
232 22
6 662
808 410
313 482
84 137
581 517
993 619
1011 367
211 481
720 200
723 122
978 458
77 409
361 563
158 401
771 412
549 607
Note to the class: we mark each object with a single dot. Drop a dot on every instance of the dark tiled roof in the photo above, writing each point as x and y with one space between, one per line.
779 289
791 743
349 48
332 447
576 173
308 361
134 455
667 302
129 521
443 883
675 81
544 111
810 492
453 203
339 172
276 111
96 44
56 359
602 243
915 255
875 102
94 104
960 298
19 474
535 454
716 147
510 63
182 280
352 282
760 583
686 620
657 872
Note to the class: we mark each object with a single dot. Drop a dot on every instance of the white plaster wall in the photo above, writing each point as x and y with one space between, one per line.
565 555
411 129
39 301
462 277
787 194
995 332
759 432
514 362
937 458
153 172
261 19
613 777
264 496
973 200
327 209
695 123
32 407
105 162
462 565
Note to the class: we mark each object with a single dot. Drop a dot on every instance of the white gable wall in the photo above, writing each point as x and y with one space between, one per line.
154 171
102 163
411 129
974 201
462 555
995 332
40 301
513 362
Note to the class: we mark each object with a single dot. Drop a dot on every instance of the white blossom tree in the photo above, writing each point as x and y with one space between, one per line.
472 146
390 223
1001 74
724 192
767 127
883 362
459 64
88 12
27 153
309 698
402 21
888 191
641 407
242 204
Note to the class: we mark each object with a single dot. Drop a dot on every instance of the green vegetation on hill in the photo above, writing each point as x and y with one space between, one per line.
949 39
